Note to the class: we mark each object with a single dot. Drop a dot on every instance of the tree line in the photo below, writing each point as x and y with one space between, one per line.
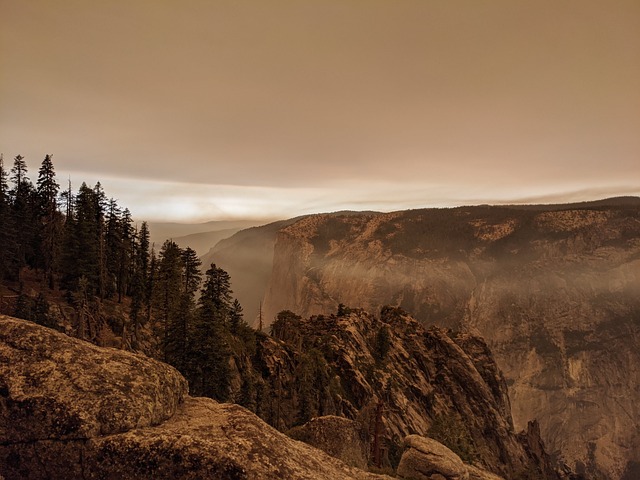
88 247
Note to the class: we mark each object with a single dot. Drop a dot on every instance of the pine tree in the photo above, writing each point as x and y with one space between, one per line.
168 293
192 275
83 237
100 204
209 364
50 226
139 282
236 318
113 245
125 255
8 245
23 200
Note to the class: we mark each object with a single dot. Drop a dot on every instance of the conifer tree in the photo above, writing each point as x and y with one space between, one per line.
209 372
50 226
168 293
8 246
192 275
82 243
23 211
139 281
125 255
235 317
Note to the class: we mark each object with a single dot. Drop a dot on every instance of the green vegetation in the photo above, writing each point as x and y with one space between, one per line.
451 431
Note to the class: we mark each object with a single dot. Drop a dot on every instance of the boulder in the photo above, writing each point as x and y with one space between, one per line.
338 436
56 387
426 459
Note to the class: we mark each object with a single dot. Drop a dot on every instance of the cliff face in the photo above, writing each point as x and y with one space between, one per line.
248 258
395 376
555 292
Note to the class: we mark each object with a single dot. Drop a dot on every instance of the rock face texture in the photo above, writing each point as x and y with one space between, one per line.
426 459
72 410
54 386
412 380
555 290
338 436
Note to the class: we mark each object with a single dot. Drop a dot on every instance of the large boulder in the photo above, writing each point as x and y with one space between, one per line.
56 387
69 409
426 459
338 436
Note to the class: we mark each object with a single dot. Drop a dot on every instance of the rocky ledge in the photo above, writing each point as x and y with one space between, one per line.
69 409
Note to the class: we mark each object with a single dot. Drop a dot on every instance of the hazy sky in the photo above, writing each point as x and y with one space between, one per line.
198 110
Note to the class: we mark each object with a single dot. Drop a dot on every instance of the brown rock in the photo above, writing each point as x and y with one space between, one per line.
477 473
426 459
552 289
56 387
339 437
212 440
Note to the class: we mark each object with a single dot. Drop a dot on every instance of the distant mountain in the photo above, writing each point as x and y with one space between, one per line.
161 231
554 289
205 241
248 258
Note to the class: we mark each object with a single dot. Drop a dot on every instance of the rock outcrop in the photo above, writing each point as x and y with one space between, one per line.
553 289
69 409
420 381
340 437
426 459
54 386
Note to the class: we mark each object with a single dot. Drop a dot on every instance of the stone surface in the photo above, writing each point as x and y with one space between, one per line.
212 440
56 387
338 436
429 376
476 473
73 410
204 439
553 289
426 459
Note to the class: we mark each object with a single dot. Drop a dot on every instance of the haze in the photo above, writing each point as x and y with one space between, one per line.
204 110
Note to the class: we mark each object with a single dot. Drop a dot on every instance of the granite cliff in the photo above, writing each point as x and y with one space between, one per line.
555 291
395 377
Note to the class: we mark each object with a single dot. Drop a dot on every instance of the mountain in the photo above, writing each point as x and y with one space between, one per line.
248 258
204 241
415 380
554 290
199 236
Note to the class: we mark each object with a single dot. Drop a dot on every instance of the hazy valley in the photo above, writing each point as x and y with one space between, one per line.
502 339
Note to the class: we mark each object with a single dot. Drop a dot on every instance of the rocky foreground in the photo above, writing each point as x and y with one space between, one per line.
70 409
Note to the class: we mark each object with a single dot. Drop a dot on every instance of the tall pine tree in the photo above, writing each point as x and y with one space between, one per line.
49 229
8 245
209 375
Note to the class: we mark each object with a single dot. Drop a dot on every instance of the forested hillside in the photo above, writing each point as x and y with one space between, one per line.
76 261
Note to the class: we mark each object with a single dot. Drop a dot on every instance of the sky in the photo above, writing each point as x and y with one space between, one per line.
202 110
